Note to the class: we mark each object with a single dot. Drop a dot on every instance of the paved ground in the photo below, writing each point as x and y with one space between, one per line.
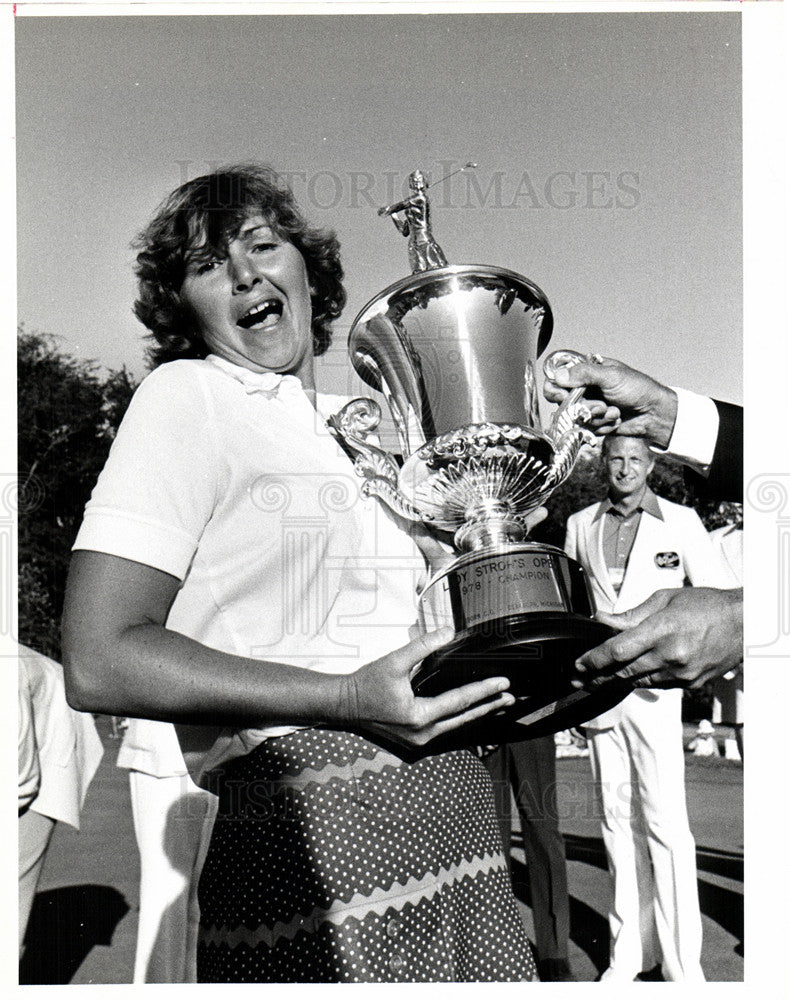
714 790
83 924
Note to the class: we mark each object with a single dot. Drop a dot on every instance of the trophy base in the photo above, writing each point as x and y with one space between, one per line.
521 611
537 654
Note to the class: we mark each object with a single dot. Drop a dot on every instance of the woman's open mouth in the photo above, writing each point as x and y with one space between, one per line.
262 315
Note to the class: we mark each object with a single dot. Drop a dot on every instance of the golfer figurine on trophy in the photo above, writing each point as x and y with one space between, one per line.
412 218
453 349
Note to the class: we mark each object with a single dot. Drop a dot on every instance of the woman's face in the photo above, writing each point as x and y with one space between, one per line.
252 306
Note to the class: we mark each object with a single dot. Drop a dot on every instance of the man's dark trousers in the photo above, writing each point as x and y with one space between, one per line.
530 769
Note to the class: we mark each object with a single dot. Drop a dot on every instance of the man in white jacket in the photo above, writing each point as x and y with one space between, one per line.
632 544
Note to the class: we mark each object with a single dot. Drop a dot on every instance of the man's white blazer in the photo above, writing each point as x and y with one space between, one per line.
665 554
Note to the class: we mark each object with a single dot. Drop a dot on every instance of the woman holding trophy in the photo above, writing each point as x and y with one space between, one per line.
230 577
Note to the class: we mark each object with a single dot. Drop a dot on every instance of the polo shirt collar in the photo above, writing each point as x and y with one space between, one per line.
648 504
270 383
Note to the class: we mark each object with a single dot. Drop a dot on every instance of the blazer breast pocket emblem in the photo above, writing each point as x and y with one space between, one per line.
667 560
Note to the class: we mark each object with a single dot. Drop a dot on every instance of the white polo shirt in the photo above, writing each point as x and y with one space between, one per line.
230 481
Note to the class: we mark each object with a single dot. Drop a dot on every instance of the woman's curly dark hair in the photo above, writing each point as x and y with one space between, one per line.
205 214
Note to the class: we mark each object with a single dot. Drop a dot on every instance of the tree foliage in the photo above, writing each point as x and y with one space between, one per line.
68 414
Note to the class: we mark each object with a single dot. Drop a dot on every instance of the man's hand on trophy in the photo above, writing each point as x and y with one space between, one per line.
618 398
676 638
378 698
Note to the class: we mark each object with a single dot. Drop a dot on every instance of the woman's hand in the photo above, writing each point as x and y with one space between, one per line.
379 697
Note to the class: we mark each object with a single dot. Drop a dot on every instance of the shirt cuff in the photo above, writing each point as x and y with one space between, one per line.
139 539
695 432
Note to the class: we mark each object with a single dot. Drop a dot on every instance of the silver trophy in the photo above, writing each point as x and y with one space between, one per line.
453 349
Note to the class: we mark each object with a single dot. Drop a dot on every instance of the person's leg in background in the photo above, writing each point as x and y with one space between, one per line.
498 764
632 899
35 833
655 735
534 781
205 805
169 817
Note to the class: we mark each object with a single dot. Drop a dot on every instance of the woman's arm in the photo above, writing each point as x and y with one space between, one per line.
121 660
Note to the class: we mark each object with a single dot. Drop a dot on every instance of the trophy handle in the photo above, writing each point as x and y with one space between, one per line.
353 426
565 430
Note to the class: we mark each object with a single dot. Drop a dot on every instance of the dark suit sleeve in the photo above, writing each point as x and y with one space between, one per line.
725 478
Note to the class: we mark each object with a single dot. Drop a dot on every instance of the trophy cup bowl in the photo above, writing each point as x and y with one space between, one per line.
453 349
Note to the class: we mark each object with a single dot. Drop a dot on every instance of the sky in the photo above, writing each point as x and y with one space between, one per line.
608 148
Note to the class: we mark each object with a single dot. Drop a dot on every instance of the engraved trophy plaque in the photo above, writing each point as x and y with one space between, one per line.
453 349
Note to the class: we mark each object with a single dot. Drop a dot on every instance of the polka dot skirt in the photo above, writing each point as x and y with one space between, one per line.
333 860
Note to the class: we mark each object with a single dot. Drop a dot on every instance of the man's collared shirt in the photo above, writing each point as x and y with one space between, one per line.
619 532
